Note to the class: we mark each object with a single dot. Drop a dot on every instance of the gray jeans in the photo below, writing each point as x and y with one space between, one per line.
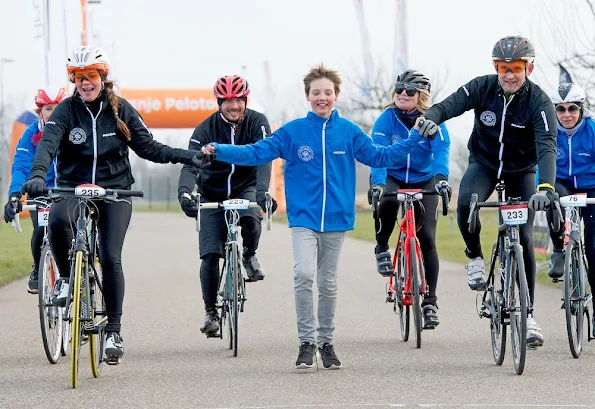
315 253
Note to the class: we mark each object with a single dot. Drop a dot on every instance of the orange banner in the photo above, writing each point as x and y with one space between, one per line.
176 108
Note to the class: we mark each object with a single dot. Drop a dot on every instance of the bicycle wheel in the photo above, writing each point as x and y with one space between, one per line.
236 274
76 324
400 276
574 295
97 336
415 283
517 307
50 317
496 306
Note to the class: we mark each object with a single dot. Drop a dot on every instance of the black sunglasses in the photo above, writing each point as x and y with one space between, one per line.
573 109
409 91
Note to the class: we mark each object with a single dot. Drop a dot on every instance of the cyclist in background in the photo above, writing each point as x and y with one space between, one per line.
237 125
426 168
575 170
46 100
514 130
320 188
90 134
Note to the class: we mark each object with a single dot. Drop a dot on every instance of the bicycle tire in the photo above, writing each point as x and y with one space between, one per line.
98 336
236 275
497 324
76 324
573 299
415 283
50 317
400 277
518 319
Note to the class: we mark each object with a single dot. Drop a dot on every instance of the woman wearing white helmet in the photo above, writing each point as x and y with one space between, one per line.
46 100
91 133
575 172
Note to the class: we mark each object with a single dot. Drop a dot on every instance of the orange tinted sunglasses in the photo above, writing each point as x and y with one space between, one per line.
516 67
90 75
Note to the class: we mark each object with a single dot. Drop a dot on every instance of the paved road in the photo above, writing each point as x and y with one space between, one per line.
169 363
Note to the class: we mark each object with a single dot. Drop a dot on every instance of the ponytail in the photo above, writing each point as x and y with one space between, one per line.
113 101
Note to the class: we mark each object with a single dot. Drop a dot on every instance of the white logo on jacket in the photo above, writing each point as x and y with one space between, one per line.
105 135
305 153
77 136
488 118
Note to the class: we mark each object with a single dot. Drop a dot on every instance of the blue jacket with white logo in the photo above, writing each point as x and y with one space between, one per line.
575 163
320 166
23 158
428 159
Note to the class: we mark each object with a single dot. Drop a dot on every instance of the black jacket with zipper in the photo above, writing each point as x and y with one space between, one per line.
509 135
221 181
90 149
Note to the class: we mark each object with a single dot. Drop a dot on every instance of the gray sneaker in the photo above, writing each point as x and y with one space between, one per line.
534 334
253 268
476 274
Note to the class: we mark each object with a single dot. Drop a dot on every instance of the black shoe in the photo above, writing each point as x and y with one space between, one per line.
210 325
329 358
253 268
305 357
556 264
430 313
32 286
384 264
114 346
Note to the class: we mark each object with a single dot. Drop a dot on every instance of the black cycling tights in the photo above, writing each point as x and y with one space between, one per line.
588 214
425 221
112 225
36 240
481 180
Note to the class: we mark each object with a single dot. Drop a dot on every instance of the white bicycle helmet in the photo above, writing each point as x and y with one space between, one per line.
569 92
86 57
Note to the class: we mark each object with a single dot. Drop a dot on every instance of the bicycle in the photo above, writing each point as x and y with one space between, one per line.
232 293
574 295
55 333
505 300
85 304
407 286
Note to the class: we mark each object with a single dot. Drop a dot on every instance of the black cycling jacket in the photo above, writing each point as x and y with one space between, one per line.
509 135
90 149
222 180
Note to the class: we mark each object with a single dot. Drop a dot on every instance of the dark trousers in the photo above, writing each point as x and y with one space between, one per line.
425 220
112 224
36 241
481 180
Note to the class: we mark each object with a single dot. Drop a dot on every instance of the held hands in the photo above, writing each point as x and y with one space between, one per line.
12 207
34 187
426 127
208 149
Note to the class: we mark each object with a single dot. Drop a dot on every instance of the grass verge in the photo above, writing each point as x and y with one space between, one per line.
15 251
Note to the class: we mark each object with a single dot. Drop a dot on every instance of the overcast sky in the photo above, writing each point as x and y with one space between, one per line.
188 44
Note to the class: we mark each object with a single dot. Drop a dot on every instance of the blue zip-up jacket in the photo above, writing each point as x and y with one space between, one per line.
575 163
23 159
429 158
320 166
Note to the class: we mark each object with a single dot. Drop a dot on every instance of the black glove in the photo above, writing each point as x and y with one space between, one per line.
428 128
261 199
201 161
189 205
541 200
377 190
34 187
9 209
441 184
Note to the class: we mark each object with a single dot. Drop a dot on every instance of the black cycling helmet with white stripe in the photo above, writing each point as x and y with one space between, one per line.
513 48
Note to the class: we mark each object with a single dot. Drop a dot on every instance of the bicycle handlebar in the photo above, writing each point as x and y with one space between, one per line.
30 206
417 194
110 194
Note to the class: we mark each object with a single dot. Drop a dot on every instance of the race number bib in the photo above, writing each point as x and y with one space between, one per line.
43 215
575 200
514 215
89 191
236 204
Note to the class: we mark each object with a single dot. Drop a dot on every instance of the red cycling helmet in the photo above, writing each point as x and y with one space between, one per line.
231 86
50 96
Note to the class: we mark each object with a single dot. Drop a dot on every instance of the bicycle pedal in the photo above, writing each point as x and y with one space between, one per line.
390 298
112 360
213 335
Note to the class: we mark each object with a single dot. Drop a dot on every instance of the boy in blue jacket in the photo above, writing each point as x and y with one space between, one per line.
320 193
46 101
